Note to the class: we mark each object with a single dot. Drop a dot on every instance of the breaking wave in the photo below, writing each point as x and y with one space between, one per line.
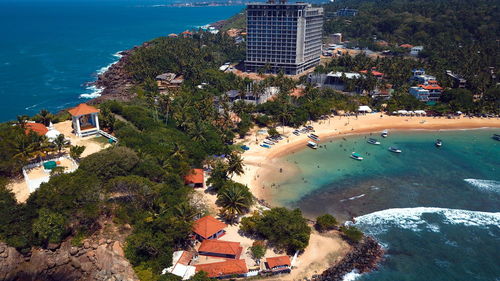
353 198
351 276
414 219
486 185
96 92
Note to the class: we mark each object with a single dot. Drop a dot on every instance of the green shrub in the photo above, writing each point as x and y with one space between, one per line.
325 222
352 233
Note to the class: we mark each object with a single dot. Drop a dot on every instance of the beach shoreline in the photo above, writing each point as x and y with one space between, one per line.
261 163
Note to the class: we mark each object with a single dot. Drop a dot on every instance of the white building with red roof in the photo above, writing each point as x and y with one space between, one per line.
208 227
85 120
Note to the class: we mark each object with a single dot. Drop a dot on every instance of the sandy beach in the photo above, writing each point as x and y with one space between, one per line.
261 163
259 159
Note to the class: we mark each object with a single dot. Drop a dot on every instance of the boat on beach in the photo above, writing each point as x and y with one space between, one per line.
356 156
373 141
385 133
439 143
394 149
268 142
313 137
312 144
265 145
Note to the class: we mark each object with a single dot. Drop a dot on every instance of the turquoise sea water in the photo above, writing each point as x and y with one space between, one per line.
49 49
436 210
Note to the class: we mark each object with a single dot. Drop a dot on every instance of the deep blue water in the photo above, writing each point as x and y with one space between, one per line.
435 210
49 49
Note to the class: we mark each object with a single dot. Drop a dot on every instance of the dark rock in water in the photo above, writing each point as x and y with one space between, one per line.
363 257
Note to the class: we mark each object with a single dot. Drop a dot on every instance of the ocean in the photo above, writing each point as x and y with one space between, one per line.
435 210
51 49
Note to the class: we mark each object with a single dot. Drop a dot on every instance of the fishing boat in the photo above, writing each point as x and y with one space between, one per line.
394 149
373 141
439 143
496 137
385 133
265 145
356 156
268 142
313 137
312 144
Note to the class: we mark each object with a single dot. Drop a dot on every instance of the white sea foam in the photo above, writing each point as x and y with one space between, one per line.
105 68
485 185
413 219
351 276
353 198
31 106
96 92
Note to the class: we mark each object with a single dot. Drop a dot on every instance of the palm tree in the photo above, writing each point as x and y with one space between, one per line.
235 199
44 117
21 121
235 164
76 151
60 142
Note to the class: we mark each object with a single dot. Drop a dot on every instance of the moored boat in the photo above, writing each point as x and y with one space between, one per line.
385 133
496 137
356 156
268 142
312 144
439 143
394 149
313 137
373 141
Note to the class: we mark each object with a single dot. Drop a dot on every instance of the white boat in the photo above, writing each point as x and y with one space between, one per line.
356 156
394 149
439 143
268 142
313 137
385 133
373 141
312 144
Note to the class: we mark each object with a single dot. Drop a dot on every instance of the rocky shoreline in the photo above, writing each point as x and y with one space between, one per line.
364 257
116 83
101 259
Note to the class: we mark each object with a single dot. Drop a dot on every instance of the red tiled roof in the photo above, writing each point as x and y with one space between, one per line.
374 72
430 87
406 46
224 268
185 258
278 261
208 226
221 247
83 109
36 127
195 176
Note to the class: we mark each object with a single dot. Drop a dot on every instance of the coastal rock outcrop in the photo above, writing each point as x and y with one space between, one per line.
93 260
364 257
116 82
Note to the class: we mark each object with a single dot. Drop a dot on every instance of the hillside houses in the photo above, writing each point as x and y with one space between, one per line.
220 258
